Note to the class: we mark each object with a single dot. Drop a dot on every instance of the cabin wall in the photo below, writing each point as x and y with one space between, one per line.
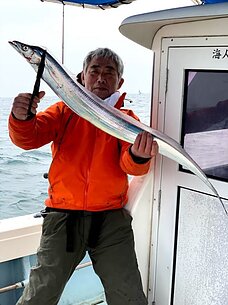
179 192
140 206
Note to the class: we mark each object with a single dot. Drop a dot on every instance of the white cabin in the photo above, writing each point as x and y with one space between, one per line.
186 229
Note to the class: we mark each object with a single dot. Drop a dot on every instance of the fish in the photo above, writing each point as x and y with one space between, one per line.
105 117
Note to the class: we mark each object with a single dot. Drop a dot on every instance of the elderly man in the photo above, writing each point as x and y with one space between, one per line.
88 187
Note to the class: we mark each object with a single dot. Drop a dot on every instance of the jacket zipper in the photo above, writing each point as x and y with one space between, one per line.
88 172
58 149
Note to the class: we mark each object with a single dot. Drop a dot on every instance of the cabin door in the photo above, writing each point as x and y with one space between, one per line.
192 241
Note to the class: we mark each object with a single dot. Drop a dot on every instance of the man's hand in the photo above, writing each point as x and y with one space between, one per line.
144 146
21 105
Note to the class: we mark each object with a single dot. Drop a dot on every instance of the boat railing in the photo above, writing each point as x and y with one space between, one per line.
23 283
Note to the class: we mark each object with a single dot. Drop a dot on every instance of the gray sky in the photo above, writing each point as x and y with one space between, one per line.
40 23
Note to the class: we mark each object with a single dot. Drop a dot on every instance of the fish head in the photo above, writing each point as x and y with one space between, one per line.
32 54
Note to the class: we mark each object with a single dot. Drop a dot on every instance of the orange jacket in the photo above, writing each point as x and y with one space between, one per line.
89 167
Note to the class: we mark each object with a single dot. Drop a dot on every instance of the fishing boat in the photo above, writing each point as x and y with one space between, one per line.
179 225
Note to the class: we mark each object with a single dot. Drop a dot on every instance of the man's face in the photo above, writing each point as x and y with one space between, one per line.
101 77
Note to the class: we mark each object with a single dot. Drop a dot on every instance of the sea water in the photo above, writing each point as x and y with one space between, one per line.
23 188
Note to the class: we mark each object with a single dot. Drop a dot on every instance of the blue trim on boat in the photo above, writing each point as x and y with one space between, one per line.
213 1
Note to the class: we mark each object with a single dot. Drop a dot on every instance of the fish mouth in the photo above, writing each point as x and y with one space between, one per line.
13 44
16 45
22 48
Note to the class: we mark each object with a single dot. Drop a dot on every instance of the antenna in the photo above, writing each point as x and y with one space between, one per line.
63 31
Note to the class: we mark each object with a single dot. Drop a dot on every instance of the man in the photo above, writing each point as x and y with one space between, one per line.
87 191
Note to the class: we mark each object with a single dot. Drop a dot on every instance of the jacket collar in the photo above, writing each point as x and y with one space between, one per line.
120 102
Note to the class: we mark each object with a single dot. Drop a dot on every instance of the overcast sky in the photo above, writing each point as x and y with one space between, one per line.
40 23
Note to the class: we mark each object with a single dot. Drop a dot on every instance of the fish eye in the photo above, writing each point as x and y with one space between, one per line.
24 48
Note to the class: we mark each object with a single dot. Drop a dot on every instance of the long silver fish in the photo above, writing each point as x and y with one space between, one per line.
103 116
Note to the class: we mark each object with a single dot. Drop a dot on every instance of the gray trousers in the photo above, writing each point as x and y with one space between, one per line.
111 251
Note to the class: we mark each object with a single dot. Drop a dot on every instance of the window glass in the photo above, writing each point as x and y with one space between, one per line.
205 120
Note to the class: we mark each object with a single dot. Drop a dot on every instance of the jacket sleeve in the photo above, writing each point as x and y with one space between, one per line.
129 166
127 163
38 131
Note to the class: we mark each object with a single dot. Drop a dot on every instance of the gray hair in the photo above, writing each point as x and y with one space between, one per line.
105 53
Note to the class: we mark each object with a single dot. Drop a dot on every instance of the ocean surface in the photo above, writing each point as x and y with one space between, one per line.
22 186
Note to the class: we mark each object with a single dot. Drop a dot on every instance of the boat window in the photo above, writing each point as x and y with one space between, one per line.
205 120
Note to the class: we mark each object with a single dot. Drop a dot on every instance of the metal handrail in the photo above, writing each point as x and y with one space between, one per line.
23 283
